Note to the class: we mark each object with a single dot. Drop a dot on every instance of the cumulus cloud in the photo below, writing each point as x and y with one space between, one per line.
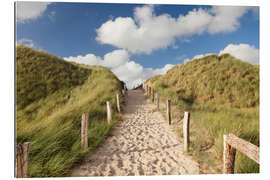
88 59
122 66
147 31
163 70
244 52
29 10
134 74
198 56
225 19
110 60
26 42
116 58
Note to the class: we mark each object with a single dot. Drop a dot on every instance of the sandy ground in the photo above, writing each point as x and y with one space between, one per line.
141 144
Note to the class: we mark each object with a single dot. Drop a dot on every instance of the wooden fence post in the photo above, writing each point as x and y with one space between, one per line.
169 111
149 91
158 101
84 131
186 123
22 153
153 95
228 157
233 143
109 112
118 103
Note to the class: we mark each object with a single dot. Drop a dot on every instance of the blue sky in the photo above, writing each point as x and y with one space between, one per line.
137 41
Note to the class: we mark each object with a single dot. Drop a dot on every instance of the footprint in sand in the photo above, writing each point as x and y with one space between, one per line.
142 144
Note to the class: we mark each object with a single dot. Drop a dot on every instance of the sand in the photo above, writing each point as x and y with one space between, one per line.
141 144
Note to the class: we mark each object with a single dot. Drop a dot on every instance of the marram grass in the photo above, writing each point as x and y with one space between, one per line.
52 95
222 94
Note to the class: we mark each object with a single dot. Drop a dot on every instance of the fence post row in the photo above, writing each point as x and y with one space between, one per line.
109 112
169 111
232 143
118 103
22 153
84 131
158 101
186 122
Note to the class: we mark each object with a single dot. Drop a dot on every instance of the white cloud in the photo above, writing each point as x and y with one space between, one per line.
51 16
226 18
147 32
30 10
198 56
244 52
88 59
120 64
129 72
26 42
116 58
163 70
134 74
111 60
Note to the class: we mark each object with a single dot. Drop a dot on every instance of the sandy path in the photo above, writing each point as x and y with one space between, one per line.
141 144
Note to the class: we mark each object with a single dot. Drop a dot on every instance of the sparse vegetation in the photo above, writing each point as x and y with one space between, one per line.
222 94
51 95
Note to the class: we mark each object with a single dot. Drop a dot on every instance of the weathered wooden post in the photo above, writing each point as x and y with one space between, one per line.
228 156
22 153
118 103
186 123
153 95
150 90
233 143
146 90
158 101
123 91
169 111
84 131
109 112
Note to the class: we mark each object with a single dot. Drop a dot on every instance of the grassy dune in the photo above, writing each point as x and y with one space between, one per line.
51 95
222 94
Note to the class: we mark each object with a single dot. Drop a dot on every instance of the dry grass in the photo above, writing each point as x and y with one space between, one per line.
222 94
52 122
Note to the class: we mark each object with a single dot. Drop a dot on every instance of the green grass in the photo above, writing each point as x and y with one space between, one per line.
50 116
222 94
